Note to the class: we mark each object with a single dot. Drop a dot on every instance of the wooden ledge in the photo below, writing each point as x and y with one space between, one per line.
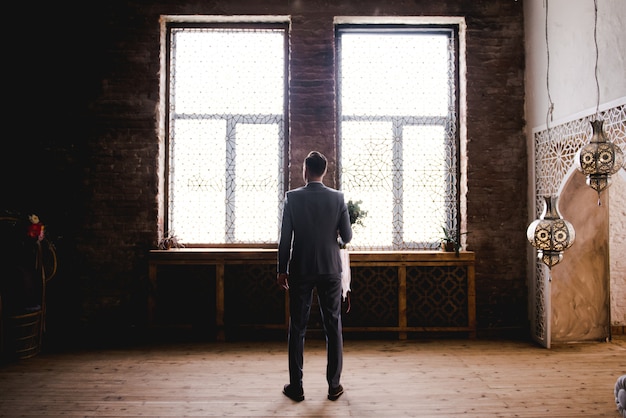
212 255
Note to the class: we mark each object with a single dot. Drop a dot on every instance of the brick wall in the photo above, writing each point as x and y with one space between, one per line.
96 149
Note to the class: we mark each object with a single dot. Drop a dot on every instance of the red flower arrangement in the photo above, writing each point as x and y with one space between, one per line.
35 228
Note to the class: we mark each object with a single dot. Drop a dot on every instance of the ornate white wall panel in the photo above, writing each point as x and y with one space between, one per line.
555 151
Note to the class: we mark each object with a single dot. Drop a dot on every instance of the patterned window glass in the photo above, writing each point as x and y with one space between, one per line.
398 133
226 113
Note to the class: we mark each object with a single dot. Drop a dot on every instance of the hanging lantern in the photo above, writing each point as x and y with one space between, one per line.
550 234
599 159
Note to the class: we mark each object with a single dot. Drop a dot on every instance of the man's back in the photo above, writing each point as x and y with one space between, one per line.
315 214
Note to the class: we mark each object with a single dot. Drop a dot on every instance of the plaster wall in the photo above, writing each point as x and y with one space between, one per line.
572 57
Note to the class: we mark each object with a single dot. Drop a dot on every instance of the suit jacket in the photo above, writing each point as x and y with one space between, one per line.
313 215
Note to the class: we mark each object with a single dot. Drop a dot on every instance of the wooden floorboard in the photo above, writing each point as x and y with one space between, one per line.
414 378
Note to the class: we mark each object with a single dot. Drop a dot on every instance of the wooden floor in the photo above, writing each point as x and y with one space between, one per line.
414 378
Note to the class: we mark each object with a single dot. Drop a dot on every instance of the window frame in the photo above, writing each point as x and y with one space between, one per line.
226 22
457 221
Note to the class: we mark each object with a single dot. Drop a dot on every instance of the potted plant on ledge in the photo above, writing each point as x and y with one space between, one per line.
450 241
169 241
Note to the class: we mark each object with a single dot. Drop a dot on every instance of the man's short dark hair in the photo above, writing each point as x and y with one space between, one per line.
316 163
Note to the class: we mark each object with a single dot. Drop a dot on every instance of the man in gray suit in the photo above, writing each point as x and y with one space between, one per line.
314 217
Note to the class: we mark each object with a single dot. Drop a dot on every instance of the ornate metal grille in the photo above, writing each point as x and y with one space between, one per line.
226 134
437 296
251 295
374 297
398 133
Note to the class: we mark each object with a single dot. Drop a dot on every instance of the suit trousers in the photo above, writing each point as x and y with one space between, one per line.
300 298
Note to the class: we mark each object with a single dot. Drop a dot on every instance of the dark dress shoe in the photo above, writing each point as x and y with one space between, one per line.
335 393
293 393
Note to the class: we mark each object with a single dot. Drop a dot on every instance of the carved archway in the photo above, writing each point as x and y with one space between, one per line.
580 304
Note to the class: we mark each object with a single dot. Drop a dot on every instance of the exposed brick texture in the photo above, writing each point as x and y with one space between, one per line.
89 115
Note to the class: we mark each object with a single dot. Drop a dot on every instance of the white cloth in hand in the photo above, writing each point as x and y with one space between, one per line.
345 272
